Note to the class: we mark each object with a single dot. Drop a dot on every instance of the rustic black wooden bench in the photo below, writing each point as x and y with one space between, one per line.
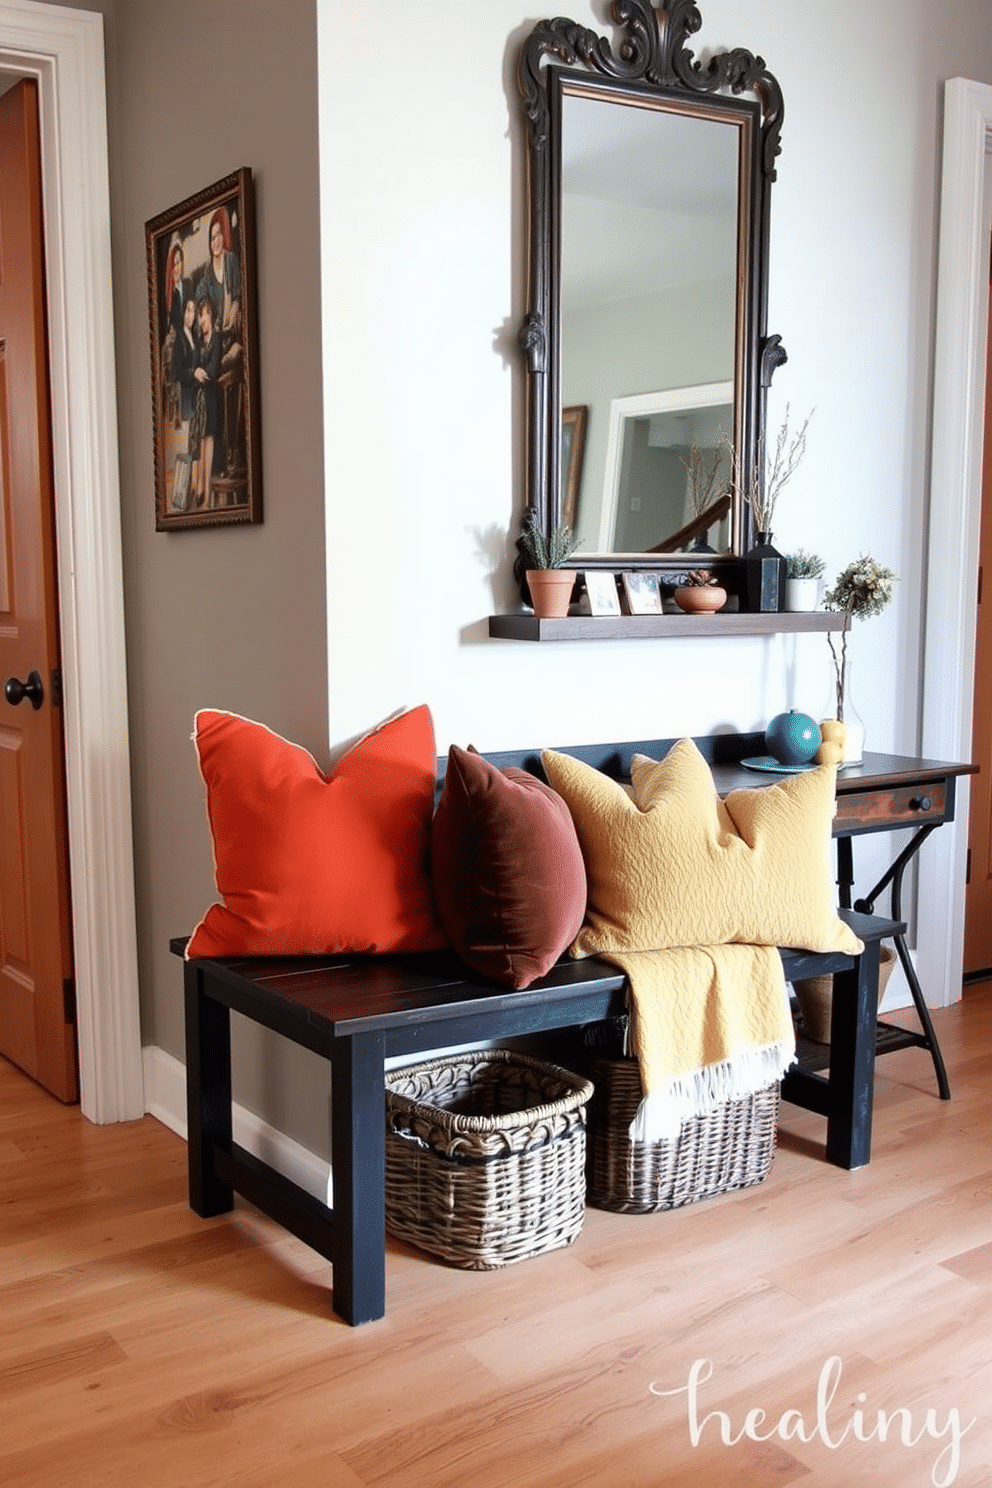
358 1011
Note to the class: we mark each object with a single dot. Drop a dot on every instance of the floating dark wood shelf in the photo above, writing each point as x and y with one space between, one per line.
525 627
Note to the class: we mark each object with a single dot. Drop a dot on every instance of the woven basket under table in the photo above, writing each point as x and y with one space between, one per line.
485 1157
730 1147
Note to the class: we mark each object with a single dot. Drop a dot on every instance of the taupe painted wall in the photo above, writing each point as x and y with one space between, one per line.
234 617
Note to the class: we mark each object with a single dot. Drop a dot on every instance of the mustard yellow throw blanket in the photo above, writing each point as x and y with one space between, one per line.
691 895
707 1025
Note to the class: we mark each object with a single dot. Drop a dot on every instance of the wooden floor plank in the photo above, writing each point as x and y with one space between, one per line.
141 1344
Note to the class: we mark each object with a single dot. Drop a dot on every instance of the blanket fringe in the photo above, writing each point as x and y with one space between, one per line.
660 1116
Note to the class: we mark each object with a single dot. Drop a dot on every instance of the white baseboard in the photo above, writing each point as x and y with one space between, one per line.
165 1099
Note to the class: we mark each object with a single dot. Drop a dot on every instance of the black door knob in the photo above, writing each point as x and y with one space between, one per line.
15 691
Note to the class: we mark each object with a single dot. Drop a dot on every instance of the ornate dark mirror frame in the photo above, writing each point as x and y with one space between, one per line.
651 60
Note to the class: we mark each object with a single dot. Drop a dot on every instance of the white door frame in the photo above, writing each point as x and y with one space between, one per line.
63 50
955 515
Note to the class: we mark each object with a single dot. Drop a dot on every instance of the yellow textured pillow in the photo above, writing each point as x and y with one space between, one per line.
671 864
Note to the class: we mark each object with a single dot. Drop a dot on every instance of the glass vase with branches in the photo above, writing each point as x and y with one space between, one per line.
862 589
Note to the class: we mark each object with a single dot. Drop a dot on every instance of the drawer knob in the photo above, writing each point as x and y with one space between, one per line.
921 803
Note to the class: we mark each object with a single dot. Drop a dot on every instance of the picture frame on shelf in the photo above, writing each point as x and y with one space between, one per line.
601 590
642 591
205 381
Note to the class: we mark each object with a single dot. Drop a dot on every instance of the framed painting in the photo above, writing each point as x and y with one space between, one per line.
202 325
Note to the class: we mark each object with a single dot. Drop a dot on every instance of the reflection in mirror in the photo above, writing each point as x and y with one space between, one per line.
573 447
649 273
649 185
668 473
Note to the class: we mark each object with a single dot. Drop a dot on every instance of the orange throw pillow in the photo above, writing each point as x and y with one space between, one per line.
309 863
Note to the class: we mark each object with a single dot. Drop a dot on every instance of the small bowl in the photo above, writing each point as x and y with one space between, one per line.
700 599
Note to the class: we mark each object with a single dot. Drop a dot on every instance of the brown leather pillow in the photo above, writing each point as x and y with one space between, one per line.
509 880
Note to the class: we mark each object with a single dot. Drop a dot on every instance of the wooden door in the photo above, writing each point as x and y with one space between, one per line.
37 1029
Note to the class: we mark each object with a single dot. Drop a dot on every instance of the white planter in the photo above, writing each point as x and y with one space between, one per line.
801 595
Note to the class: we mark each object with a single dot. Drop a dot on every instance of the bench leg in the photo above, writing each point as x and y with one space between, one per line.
358 1166
852 1061
208 1094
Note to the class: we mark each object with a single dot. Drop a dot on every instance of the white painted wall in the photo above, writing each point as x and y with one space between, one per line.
422 213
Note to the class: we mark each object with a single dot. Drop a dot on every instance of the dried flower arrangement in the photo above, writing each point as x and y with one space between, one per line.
762 494
864 588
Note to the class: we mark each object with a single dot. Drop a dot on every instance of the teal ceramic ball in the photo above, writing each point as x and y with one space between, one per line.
792 738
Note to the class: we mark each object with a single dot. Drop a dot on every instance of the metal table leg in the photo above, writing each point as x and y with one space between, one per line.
894 876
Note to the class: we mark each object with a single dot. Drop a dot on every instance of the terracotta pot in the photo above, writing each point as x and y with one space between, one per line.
700 599
815 996
550 591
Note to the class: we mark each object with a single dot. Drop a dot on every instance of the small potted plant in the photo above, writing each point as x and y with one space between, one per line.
802 585
862 589
544 553
700 593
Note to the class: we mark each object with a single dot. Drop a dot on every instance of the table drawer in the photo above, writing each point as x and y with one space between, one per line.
898 806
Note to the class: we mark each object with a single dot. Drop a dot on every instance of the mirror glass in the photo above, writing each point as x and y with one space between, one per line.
649 269
645 335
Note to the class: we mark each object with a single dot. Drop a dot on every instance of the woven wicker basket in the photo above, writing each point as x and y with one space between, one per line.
485 1157
731 1147
815 996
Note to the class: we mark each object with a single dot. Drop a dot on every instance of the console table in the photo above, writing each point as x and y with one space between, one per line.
884 793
